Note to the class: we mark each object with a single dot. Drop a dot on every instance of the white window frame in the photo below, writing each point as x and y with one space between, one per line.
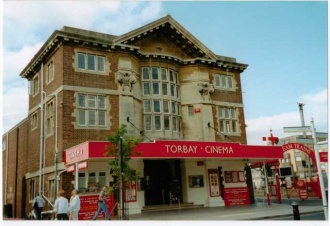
50 117
222 81
50 71
168 79
91 105
97 59
228 119
34 120
34 85
4 145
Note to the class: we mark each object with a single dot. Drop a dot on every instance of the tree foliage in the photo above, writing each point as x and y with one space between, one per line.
113 151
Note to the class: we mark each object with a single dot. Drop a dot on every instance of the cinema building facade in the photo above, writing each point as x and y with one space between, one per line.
158 79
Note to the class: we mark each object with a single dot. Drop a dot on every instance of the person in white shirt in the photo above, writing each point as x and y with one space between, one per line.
38 203
61 206
74 205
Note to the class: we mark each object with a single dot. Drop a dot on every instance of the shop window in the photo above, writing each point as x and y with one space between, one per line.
196 181
102 179
234 176
91 178
81 181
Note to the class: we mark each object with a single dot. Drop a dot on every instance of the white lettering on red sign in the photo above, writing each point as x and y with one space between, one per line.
187 149
181 149
219 150
76 153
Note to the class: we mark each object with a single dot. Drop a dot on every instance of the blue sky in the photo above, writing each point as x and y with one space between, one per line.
284 43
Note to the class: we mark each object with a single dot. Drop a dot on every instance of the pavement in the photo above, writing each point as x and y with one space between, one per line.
258 211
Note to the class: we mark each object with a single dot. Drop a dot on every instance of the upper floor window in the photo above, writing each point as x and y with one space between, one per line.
34 85
34 121
49 118
4 145
161 105
224 81
228 119
91 110
90 62
50 72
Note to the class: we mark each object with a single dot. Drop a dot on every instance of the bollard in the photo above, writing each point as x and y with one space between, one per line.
296 214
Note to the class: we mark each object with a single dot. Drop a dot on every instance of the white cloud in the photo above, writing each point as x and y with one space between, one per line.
34 21
15 106
28 24
15 61
315 106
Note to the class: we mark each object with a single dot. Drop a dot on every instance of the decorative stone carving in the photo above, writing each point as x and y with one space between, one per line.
205 88
125 79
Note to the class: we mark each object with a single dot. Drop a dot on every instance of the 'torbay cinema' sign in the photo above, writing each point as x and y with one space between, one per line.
176 149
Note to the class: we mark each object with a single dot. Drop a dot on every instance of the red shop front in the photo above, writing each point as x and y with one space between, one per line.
187 150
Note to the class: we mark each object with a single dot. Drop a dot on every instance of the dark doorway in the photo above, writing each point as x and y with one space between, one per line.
162 181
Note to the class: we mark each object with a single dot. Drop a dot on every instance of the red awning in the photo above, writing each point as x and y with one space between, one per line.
177 149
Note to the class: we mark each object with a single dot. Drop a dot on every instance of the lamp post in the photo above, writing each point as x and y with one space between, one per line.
319 171
122 183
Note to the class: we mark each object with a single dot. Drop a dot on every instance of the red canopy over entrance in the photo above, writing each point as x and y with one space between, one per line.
176 149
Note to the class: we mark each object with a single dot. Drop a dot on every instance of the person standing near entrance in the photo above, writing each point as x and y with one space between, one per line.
102 205
74 205
38 204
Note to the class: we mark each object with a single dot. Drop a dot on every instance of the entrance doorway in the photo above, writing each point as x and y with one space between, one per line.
162 181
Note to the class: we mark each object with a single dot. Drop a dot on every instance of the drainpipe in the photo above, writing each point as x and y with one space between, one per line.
41 125
44 149
56 148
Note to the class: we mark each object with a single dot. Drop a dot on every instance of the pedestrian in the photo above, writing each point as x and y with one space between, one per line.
61 206
74 205
102 204
38 204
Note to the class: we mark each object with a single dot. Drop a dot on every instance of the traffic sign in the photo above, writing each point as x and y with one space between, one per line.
297 129
321 135
305 140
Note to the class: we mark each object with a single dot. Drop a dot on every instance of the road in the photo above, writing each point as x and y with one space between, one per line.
319 216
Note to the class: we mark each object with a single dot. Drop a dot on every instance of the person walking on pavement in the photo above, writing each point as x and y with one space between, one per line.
102 204
38 204
61 206
74 205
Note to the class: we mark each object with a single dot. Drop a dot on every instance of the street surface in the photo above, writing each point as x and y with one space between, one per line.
319 216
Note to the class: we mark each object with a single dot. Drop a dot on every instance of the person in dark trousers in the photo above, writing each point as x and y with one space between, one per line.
61 206
102 204
38 204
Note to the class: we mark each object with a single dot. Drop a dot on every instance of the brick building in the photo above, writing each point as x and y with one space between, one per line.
85 84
